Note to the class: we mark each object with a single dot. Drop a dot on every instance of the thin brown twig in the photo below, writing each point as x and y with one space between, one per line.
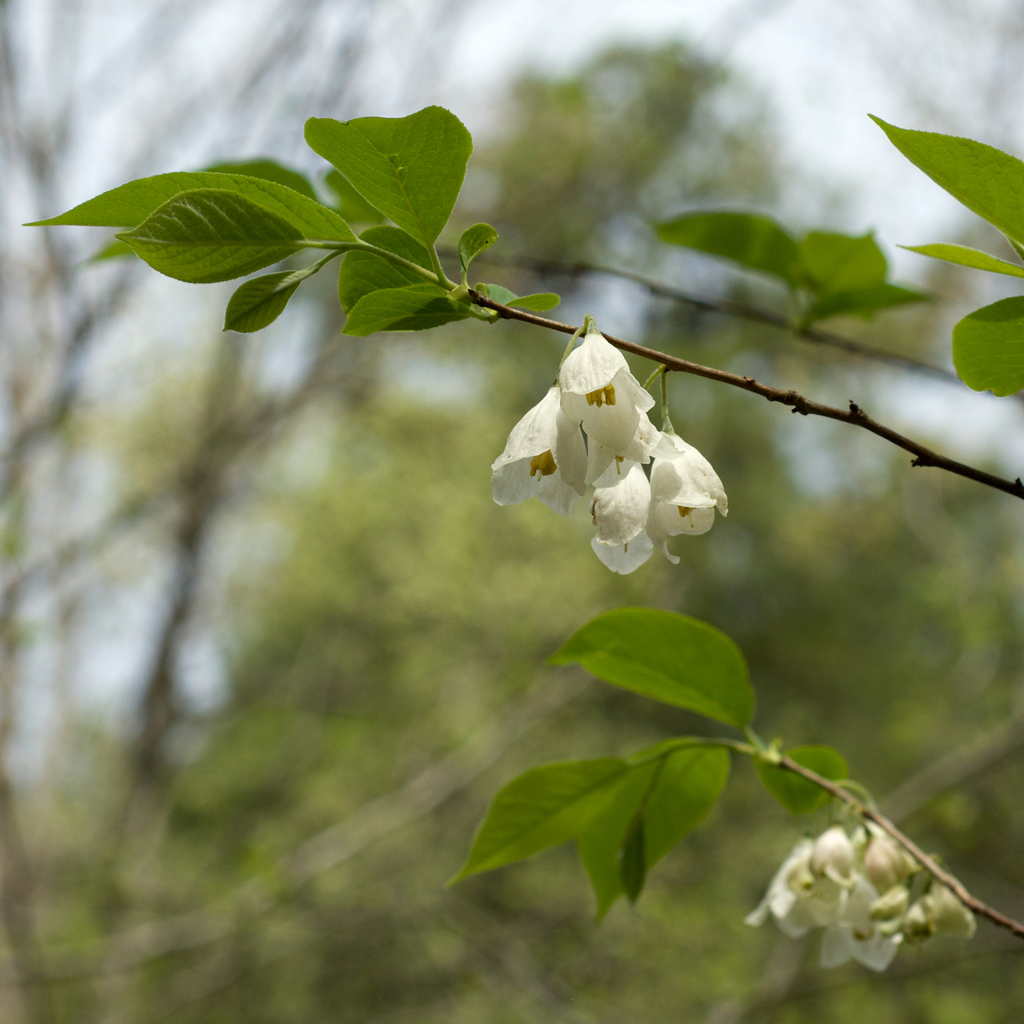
922 858
728 307
923 456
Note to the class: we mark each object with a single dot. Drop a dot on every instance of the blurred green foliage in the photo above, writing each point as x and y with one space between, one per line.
388 621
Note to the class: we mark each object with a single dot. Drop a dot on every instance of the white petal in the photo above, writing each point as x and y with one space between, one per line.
658 522
599 459
535 433
557 494
836 946
646 438
570 453
876 952
591 366
694 523
624 558
512 482
620 512
614 426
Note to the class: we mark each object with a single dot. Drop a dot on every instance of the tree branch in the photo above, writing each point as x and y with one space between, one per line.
922 858
728 307
798 403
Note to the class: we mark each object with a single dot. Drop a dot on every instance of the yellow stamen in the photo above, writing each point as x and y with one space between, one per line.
684 511
543 464
603 396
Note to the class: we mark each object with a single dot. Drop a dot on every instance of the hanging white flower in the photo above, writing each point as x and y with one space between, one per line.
798 898
619 508
599 391
545 455
855 935
685 490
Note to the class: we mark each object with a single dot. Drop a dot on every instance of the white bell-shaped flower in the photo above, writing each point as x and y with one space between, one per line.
797 898
685 490
545 455
619 508
854 935
599 391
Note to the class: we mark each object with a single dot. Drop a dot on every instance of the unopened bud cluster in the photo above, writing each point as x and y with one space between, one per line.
546 455
860 889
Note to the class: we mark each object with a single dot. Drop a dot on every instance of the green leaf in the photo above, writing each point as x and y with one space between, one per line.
539 302
352 206
988 347
412 308
129 205
840 263
751 240
410 168
668 657
212 235
683 792
543 807
602 836
363 272
633 865
967 257
985 179
269 170
1017 247
795 792
258 303
473 242
862 301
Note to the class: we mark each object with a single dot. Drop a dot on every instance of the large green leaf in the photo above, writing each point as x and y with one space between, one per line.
412 308
352 206
795 792
968 257
212 235
473 242
684 790
749 239
363 272
601 837
129 205
837 263
269 170
988 347
544 807
862 301
410 168
985 179
668 657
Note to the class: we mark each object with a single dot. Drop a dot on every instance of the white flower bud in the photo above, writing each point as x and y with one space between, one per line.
892 905
947 914
885 864
833 855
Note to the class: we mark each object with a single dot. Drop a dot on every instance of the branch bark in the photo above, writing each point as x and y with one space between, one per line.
728 307
854 415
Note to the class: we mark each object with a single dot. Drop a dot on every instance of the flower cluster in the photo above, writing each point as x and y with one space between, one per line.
859 890
546 455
